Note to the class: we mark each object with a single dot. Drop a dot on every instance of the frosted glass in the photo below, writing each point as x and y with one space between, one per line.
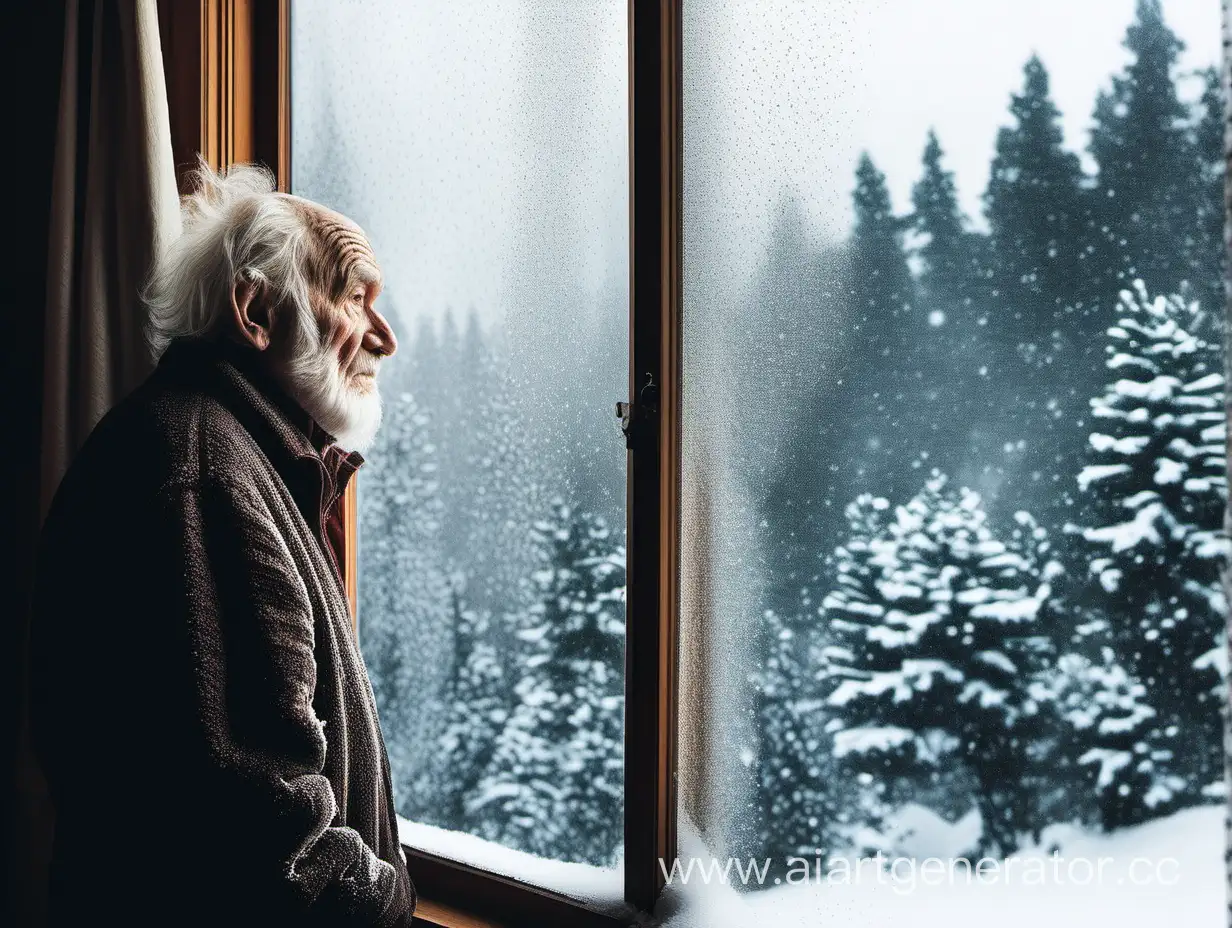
482 146
954 442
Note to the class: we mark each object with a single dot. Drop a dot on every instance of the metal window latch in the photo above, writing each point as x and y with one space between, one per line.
637 418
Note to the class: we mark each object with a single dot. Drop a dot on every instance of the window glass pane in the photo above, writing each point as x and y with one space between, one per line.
482 146
954 454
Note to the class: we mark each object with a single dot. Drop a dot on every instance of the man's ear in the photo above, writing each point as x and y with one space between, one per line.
253 314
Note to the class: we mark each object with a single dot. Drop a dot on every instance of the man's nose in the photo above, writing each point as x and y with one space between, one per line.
380 338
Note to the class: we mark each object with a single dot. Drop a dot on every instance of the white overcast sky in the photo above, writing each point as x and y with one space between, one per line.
453 157
877 74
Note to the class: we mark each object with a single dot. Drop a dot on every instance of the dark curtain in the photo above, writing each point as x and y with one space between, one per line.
96 195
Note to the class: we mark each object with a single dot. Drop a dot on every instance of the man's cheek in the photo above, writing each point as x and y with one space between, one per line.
336 333
348 345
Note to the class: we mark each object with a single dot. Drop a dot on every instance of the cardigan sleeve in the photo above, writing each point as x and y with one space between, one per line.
250 637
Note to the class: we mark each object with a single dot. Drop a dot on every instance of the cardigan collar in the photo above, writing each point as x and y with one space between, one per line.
287 434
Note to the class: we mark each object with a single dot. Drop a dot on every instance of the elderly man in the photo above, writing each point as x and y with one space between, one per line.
198 701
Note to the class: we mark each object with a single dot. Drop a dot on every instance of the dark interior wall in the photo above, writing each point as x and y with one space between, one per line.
32 36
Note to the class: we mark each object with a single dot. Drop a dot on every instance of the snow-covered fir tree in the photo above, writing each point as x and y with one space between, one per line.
947 251
1155 491
883 377
498 481
462 379
955 352
460 386
809 803
1034 205
927 617
404 592
1207 256
1041 360
1102 766
477 707
424 368
805 810
1143 148
555 783
882 288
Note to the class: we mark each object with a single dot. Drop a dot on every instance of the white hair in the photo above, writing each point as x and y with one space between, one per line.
235 229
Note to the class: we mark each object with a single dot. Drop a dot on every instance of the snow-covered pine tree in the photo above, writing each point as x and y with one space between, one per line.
1042 359
927 616
947 251
404 592
881 593
882 288
1207 255
555 784
448 369
825 806
1035 206
1103 769
477 701
500 483
1154 494
800 790
883 380
444 375
955 354
424 368
1144 153
797 288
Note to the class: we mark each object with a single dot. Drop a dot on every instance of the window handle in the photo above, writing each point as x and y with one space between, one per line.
636 418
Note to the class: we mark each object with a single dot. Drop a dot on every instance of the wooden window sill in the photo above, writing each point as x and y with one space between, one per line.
446 916
458 895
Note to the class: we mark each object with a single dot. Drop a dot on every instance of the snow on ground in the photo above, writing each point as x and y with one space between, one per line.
1185 851
918 831
1166 874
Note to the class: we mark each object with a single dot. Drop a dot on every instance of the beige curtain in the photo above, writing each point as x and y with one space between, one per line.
113 205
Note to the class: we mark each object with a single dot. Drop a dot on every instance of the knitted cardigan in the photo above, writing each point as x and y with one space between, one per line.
198 701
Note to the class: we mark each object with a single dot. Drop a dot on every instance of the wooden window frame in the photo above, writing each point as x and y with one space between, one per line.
228 69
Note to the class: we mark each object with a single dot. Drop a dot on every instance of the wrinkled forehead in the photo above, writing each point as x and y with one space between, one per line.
345 255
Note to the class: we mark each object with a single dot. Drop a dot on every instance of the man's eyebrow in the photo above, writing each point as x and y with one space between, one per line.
364 273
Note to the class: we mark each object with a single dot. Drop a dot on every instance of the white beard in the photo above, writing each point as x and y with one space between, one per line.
316 382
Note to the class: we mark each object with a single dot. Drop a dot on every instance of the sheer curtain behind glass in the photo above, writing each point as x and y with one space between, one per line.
483 148
957 270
